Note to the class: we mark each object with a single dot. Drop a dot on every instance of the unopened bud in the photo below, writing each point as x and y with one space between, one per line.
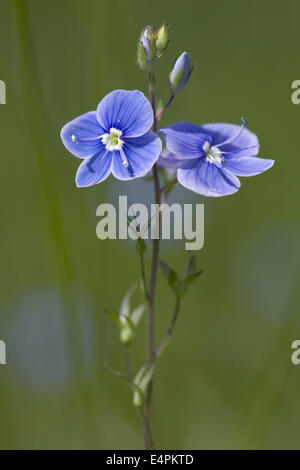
126 335
181 73
146 54
162 38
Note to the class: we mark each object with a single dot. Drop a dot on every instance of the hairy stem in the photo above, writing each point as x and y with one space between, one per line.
169 332
159 115
143 274
127 363
152 285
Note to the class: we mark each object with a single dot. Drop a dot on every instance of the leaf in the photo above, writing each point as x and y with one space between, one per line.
113 317
124 310
191 265
142 381
140 246
146 378
164 175
188 280
137 314
159 106
133 385
139 375
170 186
171 277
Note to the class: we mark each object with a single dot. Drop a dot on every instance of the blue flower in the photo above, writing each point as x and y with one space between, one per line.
209 158
115 138
180 73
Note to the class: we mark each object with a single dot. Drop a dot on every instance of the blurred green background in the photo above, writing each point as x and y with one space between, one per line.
226 380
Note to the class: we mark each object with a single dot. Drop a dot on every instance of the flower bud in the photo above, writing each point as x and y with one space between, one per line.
138 398
181 73
146 54
162 38
126 335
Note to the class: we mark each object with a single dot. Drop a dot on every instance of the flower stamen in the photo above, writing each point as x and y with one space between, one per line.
236 135
213 154
112 140
85 139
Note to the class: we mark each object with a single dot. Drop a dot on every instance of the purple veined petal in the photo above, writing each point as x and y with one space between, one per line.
127 111
248 166
246 144
209 180
141 153
94 169
185 139
87 128
169 160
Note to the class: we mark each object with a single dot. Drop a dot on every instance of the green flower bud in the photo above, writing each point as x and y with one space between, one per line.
162 38
126 335
138 398
146 55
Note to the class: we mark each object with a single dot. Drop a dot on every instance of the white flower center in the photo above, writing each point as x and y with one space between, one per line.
213 154
112 140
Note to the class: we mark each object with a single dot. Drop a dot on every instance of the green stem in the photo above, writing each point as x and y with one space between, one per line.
143 273
167 336
152 285
159 115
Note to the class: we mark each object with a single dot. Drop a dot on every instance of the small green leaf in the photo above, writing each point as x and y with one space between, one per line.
146 378
164 175
191 265
113 317
137 314
170 186
142 381
139 375
137 392
140 246
159 106
171 277
188 280
125 304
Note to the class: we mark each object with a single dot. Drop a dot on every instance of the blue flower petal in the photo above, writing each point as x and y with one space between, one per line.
209 180
127 111
141 153
83 127
169 160
248 166
245 145
185 139
94 169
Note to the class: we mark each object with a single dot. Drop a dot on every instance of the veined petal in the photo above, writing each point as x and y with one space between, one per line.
209 180
141 153
169 160
248 166
185 139
84 127
94 169
246 144
127 111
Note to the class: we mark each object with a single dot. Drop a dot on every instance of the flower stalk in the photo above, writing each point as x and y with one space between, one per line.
152 284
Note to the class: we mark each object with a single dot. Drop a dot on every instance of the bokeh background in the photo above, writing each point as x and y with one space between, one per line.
226 380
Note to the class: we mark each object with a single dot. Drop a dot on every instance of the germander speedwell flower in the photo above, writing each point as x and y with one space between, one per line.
209 158
115 138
